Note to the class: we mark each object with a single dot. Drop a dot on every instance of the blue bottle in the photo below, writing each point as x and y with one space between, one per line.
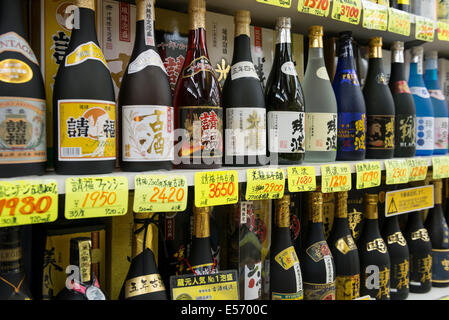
424 107
351 130
440 111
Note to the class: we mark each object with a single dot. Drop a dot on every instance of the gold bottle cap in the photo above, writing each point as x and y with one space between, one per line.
375 47
201 222
342 205
316 207
197 13
371 201
242 20
438 187
282 217
89 4
316 37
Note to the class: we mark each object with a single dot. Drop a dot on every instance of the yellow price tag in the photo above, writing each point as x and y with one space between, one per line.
399 22
443 31
216 188
278 3
424 29
264 183
316 7
347 11
28 202
396 171
440 167
301 179
408 200
160 193
417 169
335 178
368 174
375 16
96 197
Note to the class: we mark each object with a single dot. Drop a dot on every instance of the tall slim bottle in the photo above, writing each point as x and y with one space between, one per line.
244 103
374 257
22 98
321 105
424 107
285 102
440 109
405 110
145 102
351 129
317 262
379 106
197 101
84 100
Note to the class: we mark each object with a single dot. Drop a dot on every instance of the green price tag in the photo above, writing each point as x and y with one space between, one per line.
424 29
375 16
368 174
399 22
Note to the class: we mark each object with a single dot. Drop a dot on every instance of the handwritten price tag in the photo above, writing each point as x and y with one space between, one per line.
375 16
399 22
443 31
278 3
96 197
440 167
160 193
348 11
28 202
264 183
424 29
216 188
301 179
368 174
335 178
417 169
316 7
396 171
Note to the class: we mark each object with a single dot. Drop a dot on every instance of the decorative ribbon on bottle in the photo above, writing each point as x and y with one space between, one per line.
145 224
194 272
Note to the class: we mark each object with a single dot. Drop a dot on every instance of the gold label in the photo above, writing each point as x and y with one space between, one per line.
287 258
401 275
318 251
445 264
384 284
345 244
15 71
377 244
89 4
287 296
354 219
319 291
348 287
84 52
201 228
84 260
421 234
11 41
9 255
143 285
398 238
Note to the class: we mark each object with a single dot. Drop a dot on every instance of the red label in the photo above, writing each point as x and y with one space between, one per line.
258 38
124 22
401 87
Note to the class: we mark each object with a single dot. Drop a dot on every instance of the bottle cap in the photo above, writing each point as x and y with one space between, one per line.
417 51
345 34
316 31
282 217
201 224
431 55
283 23
397 45
197 5
316 197
242 16
88 4
342 205
371 199
375 42
197 13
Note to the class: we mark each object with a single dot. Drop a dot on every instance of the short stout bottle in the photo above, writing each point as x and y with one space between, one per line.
145 102
420 250
438 230
344 251
399 258
285 102
405 111
317 262
22 98
380 110
244 103
374 257
143 281
321 105
285 271
84 102
197 101
81 283
13 282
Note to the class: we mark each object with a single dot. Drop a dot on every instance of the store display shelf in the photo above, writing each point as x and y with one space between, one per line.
433 294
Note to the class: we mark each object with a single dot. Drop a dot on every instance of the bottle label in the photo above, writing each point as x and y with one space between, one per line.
424 133
204 125
348 287
320 251
201 64
15 71
321 131
322 73
11 41
22 130
420 92
349 76
289 68
86 130
345 244
318 291
398 238
146 59
286 296
147 133
401 87
354 220
253 281
381 79
380 133
286 132
441 133
243 69
84 52
400 275
383 290
245 131
149 23
287 259
204 269
351 131
420 234
440 265
437 94
143 285
377 244
405 133
405 2
420 270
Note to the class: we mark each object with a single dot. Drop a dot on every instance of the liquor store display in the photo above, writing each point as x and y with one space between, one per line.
142 157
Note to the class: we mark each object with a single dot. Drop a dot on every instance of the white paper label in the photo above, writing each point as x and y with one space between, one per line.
321 131
11 41
286 132
243 69
437 94
420 92
298 277
322 73
441 133
329 269
146 59
149 23
424 133
253 281
289 68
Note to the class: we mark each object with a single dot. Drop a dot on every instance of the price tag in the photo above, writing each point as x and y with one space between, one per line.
335 178
417 169
301 179
160 193
424 28
264 183
443 31
375 16
28 202
399 22
440 167
347 11
316 7
216 188
396 171
368 174
278 3
96 197
408 200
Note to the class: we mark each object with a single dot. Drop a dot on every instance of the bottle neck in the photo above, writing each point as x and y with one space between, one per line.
341 211
431 66
197 41
283 51
86 31
397 56
346 56
414 218
393 222
11 17
144 229
438 196
316 213
242 49
80 255
201 223
416 66
375 52
371 212
282 217
10 250
145 34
